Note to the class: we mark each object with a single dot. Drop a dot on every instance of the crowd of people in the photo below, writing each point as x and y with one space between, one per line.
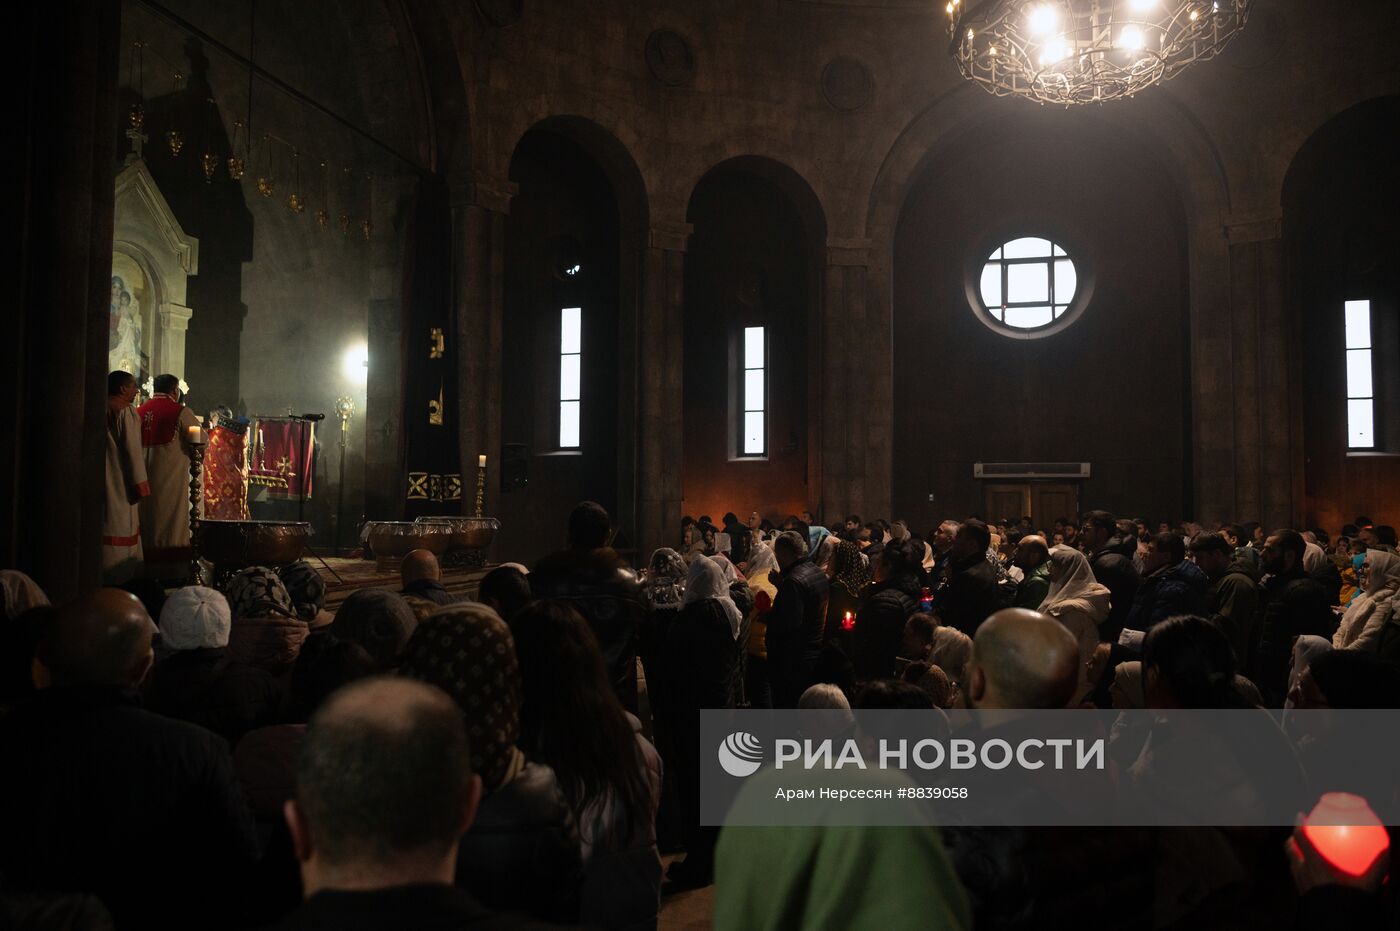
241 756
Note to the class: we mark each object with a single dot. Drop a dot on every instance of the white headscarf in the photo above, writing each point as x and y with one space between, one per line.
761 560
21 593
1314 557
1075 586
1361 625
705 582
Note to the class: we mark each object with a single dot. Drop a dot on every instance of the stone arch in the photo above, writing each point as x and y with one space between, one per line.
791 183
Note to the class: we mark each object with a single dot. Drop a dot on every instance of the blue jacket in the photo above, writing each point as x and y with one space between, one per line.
1180 589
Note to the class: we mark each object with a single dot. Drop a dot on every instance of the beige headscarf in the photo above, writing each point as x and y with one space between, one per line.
950 651
1361 625
761 560
1075 587
1128 682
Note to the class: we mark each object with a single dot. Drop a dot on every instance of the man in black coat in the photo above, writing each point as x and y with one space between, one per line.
99 795
1111 557
591 577
1294 604
795 622
385 792
970 595
875 640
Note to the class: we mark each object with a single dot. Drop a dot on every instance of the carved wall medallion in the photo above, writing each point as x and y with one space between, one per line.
669 59
847 84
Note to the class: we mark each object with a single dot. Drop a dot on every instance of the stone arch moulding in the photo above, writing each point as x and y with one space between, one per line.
612 154
145 230
788 181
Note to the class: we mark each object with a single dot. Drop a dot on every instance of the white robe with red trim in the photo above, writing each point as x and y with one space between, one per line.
165 515
126 486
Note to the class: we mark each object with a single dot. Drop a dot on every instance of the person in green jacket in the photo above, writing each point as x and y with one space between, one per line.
1232 600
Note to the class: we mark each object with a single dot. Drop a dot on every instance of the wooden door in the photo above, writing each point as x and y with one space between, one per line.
1007 501
1050 502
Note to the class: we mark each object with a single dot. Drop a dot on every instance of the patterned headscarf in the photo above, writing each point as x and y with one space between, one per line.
307 588
467 651
381 621
665 577
257 592
848 569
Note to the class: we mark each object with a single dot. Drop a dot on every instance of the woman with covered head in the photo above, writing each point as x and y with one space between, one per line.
266 631
849 574
308 592
380 621
705 655
1078 601
762 567
1373 606
609 773
523 848
196 680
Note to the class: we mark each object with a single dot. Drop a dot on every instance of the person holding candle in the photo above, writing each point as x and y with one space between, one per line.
168 429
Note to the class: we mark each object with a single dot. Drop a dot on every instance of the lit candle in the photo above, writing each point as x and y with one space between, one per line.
481 462
1346 832
194 435
848 622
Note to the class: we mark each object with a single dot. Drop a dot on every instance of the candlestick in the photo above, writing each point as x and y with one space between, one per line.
480 486
196 466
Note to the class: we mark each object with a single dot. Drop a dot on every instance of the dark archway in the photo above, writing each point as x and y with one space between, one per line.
1110 388
1342 243
754 260
562 249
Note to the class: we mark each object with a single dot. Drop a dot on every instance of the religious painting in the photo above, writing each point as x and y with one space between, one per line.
124 351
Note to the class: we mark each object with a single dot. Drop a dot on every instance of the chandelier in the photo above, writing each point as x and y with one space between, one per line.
1085 51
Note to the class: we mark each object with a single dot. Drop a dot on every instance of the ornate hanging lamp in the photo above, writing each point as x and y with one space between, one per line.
1085 51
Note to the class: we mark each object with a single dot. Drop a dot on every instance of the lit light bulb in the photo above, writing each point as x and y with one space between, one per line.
1195 16
991 50
1054 51
950 9
1042 19
1130 38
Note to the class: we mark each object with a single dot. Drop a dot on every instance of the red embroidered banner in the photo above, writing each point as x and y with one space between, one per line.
281 457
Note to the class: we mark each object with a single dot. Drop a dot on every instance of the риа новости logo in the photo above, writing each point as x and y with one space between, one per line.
740 754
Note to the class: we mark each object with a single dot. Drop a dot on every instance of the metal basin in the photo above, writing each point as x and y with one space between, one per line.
395 539
465 533
237 544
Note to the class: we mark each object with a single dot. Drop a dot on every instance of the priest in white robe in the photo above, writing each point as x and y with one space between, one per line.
126 483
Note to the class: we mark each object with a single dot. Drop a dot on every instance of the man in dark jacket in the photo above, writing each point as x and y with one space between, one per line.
887 605
593 578
1111 557
422 579
1232 598
1294 604
385 792
1171 584
970 595
99 795
794 635
1032 558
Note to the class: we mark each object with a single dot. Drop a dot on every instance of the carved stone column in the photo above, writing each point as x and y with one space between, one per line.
661 405
857 348
479 209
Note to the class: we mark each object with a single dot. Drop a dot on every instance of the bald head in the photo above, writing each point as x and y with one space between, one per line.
102 639
384 775
1031 552
1022 659
418 566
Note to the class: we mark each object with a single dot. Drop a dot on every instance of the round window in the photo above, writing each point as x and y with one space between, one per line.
1028 283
